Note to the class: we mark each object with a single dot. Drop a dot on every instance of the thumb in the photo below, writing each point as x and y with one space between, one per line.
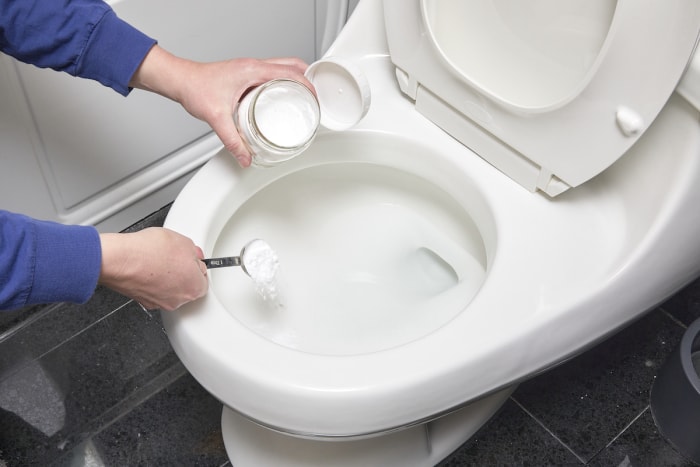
229 136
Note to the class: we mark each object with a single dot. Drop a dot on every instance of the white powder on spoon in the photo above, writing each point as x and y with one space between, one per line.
261 263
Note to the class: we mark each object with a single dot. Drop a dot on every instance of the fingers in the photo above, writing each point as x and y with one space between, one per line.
202 267
227 132
157 267
211 91
192 285
257 72
199 256
247 73
290 67
293 62
198 252
296 68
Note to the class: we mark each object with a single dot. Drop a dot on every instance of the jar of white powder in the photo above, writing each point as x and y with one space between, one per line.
278 120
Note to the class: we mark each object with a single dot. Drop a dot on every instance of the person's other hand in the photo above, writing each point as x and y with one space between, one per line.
157 267
210 91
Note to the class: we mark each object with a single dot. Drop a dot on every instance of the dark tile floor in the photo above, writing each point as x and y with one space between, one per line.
98 385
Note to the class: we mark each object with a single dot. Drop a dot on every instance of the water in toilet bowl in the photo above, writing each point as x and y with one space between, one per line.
381 259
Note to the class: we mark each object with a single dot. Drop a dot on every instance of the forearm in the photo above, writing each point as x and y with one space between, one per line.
81 37
163 73
42 262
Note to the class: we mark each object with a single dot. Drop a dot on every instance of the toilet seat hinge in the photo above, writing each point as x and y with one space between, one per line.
550 184
408 84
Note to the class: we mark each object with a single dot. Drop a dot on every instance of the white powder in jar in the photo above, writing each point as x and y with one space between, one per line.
277 121
261 263
287 114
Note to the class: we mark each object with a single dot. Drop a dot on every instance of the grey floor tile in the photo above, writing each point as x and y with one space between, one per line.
589 400
52 326
153 220
640 445
685 305
56 401
512 438
11 319
179 426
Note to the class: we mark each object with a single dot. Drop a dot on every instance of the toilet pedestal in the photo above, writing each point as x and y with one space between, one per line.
249 444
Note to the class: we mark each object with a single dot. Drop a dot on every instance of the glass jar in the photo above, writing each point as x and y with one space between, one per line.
277 121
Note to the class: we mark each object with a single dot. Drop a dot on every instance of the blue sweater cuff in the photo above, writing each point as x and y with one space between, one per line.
113 53
67 263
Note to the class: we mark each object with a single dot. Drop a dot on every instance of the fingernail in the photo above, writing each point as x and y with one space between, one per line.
243 161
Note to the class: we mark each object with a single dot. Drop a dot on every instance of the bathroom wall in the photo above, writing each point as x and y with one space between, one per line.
76 152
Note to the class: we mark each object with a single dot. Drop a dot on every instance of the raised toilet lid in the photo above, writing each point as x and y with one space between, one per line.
551 92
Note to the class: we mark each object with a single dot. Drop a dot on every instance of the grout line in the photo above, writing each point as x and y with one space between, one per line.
26 322
121 409
19 368
673 318
583 461
143 309
150 315
89 326
627 427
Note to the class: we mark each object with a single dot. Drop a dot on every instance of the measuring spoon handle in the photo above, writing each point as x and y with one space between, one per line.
222 262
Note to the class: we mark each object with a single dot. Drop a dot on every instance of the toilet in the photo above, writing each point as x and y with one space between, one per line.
524 184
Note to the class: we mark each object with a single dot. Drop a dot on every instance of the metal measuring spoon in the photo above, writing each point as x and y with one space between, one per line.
241 260
224 262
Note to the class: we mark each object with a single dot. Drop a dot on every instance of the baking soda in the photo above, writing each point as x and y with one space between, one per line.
286 116
277 121
262 264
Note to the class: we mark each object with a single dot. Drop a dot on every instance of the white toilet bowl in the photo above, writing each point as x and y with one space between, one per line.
419 284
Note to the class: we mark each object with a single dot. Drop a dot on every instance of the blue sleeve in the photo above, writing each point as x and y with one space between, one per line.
84 38
43 262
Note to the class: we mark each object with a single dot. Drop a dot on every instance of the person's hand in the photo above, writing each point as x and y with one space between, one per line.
210 91
157 267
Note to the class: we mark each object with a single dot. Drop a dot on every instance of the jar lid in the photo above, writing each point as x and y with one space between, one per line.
343 92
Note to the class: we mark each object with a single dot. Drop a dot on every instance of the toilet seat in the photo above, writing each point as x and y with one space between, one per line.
561 138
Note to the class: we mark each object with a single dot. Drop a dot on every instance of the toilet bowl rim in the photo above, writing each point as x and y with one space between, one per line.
191 332
502 232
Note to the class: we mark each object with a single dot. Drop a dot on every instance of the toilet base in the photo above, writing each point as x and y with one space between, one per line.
249 444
